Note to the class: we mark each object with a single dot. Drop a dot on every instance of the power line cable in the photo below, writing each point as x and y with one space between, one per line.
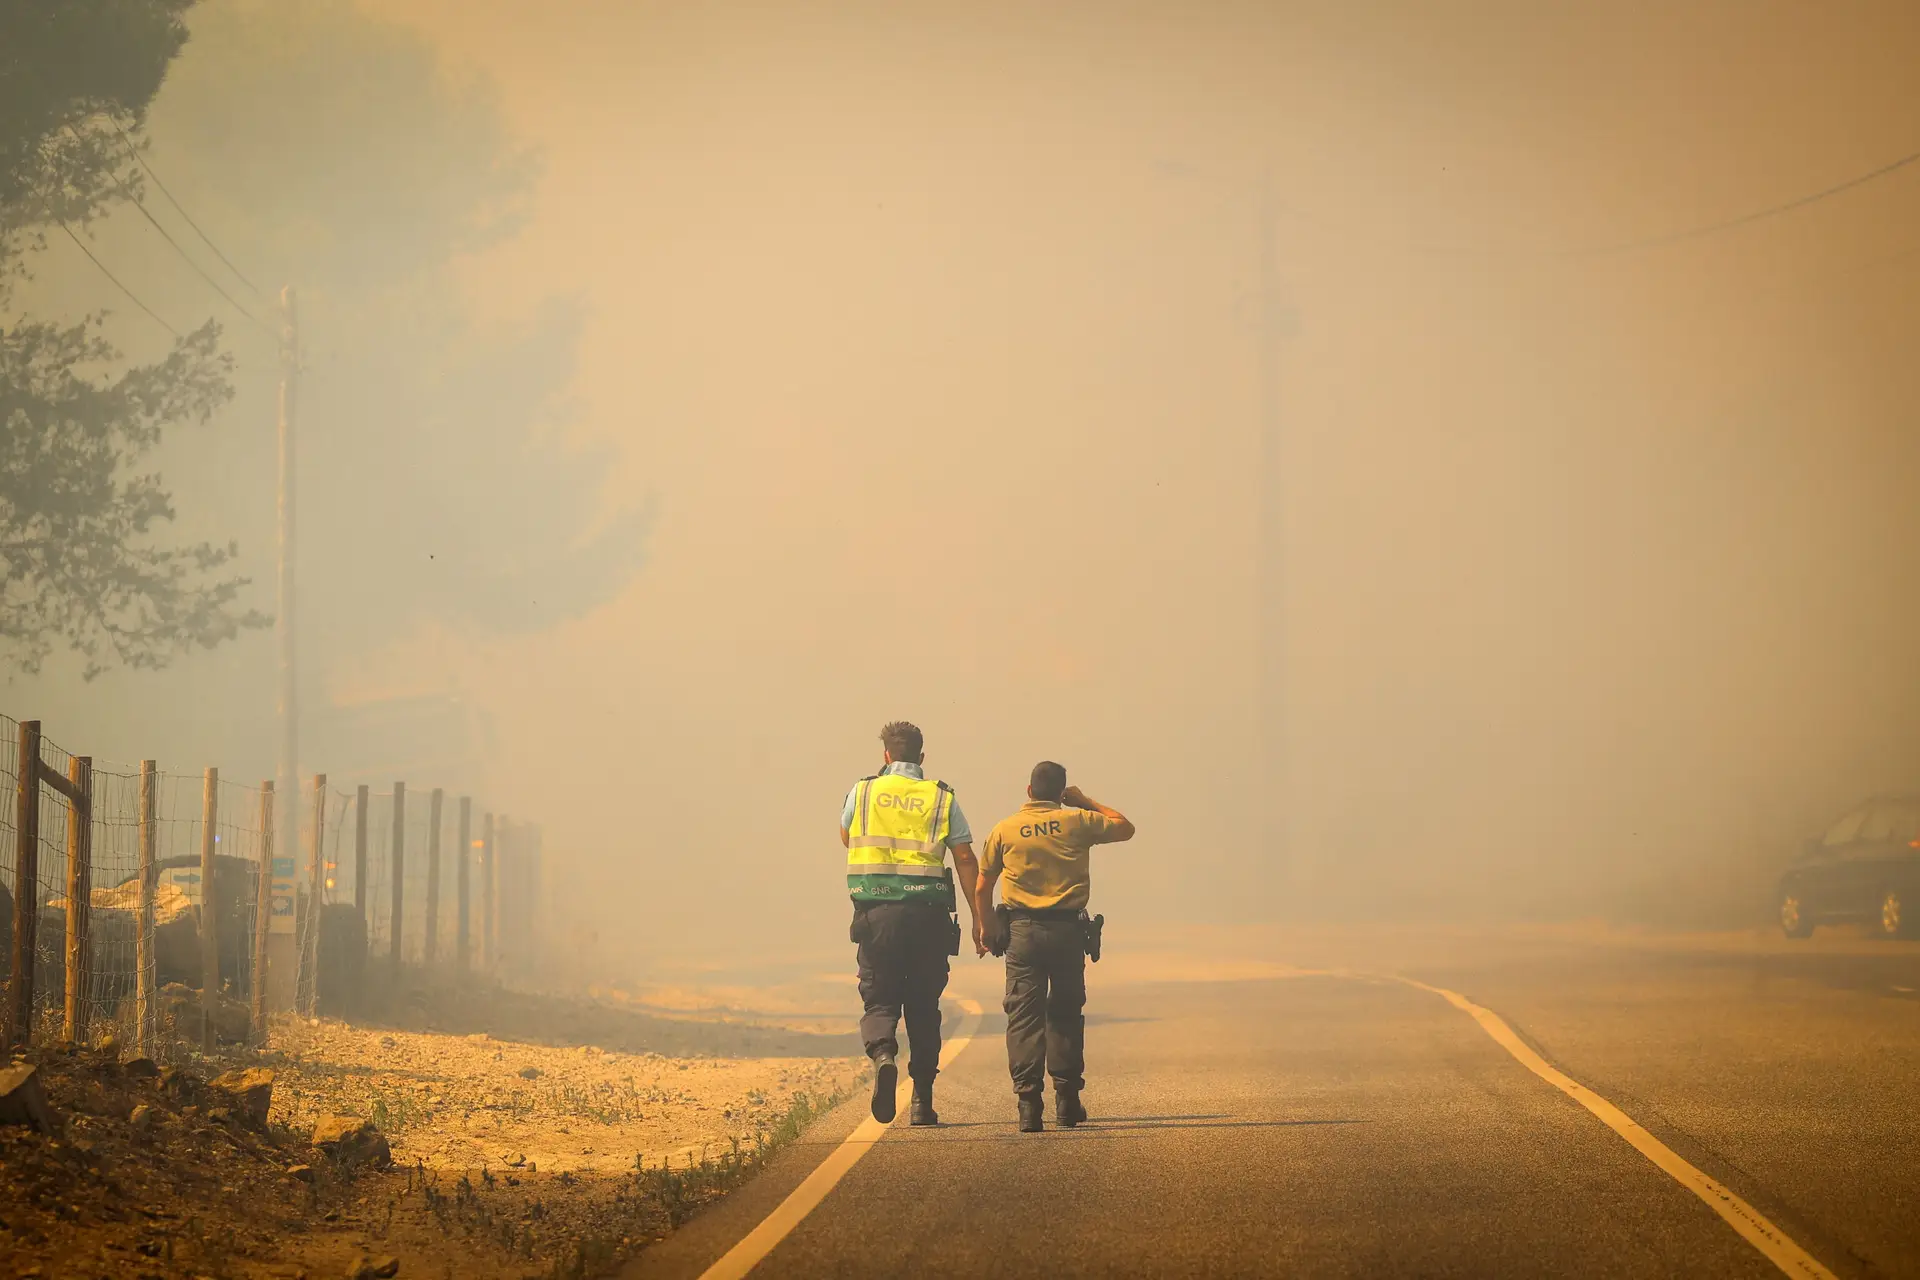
135 298
184 256
1758 215
1340 227
180 209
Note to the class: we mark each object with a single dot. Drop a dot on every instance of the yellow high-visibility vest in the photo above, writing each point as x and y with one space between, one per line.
897 845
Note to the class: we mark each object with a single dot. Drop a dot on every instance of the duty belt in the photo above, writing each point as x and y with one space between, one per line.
1044 913
1090 927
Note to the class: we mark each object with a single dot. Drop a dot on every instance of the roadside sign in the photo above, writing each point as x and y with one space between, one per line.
282 896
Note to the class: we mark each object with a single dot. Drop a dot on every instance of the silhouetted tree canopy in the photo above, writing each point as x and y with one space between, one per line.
73 73
445 480
82 569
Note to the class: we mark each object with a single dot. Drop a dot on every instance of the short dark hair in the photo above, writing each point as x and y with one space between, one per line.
1049 781
903 741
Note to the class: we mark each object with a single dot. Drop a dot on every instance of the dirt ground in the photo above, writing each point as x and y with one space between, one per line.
523 1149
470 1102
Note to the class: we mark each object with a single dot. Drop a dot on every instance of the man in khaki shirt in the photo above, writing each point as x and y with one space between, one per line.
1042 857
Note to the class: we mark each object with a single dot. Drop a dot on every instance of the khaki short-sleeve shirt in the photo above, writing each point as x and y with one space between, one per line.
1043 854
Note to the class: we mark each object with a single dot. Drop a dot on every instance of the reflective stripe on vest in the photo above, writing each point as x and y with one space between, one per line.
897 845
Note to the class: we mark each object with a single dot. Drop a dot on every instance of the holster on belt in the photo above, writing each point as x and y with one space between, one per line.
999 929
953 946
1090 933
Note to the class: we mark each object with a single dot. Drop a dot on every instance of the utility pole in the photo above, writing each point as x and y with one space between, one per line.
288 833
1272 320
1269 629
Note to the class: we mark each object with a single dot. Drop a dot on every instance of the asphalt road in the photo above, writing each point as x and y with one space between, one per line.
1315 1125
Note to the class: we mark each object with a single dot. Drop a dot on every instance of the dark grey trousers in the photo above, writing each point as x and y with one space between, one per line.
1046 1000
903 968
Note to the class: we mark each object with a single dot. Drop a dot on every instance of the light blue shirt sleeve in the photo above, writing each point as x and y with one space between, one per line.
846 810
958 832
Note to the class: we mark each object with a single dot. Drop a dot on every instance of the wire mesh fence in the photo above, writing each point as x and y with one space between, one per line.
148 883
426 856
324 816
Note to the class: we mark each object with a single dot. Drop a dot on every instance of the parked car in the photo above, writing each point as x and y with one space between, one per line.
1866 868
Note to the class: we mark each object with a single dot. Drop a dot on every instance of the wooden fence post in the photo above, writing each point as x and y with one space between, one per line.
307 992
143 1003
262 914
486 895
463 936
433 875
360 858
533 874
506 856
79 972
361 898
209 910
399 853
26 884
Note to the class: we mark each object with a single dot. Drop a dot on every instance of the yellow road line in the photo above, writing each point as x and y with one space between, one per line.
1753 1226
759 1242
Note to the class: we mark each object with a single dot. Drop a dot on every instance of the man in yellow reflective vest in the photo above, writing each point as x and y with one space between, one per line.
898 827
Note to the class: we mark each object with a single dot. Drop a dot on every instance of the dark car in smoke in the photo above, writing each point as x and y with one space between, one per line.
1866 868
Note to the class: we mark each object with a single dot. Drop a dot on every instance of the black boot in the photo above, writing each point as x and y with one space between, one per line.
920 1111
1032 1106
1067 1111
886 1081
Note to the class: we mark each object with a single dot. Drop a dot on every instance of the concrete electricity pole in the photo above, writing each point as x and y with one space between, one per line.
288 827
1266 624
1271 323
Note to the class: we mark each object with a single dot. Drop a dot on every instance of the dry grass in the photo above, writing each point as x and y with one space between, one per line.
462 1103
514 1157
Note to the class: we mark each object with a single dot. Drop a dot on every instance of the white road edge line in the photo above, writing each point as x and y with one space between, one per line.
1752 1225
759 1242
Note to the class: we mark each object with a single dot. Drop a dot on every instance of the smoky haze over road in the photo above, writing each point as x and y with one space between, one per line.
688 390
918 347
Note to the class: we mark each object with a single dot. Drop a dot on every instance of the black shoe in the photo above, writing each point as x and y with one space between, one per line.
886 1081
1067 1111
920 1110
1031 1108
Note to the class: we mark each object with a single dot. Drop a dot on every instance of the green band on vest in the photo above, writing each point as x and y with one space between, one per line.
883 887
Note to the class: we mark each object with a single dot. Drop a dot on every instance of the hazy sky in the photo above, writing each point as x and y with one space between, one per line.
925 330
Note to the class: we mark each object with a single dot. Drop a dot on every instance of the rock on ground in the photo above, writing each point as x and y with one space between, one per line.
248 1091
182 1013
23 1101
352 1141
